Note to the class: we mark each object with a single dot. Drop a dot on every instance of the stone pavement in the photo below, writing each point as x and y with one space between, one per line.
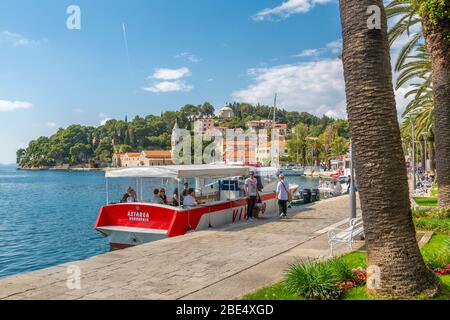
222 263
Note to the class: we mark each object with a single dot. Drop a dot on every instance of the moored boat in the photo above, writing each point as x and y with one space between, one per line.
222 202
292 171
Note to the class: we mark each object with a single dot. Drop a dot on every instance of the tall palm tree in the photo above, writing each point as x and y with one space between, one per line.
380 163
434 18
436 23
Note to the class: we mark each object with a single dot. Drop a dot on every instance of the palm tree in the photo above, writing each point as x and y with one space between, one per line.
297 144
418 67
435 28
380 163
315 147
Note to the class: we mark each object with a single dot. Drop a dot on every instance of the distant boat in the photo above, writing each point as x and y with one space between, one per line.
289 172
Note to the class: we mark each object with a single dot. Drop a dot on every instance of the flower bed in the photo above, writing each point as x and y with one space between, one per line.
345 277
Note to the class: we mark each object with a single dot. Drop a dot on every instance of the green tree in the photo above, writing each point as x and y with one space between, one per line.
433 19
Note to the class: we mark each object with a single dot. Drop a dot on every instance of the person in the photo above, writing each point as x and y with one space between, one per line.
189 200
349 184
186 189
129 196
156 198
282 196
163 196
250 190
175 201
338 188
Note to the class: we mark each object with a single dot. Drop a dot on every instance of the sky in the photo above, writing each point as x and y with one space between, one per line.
141 57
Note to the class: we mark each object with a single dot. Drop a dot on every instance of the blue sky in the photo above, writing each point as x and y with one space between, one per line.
179 52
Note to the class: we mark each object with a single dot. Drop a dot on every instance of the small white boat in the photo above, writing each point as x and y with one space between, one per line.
289 172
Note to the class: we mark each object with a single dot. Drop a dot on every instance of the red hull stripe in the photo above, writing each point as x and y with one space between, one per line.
142 215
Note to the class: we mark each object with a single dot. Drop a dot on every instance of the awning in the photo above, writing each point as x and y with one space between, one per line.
179 172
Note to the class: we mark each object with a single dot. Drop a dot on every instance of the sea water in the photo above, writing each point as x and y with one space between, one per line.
47 217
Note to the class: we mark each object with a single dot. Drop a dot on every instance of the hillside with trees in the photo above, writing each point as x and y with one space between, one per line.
81 145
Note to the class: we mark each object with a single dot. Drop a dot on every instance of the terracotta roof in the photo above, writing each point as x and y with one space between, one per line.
133 154
206 119
157 159
158 153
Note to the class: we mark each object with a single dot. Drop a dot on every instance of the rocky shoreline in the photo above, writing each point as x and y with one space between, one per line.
60 169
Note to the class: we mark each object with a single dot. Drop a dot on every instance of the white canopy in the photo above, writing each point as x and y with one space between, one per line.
179 172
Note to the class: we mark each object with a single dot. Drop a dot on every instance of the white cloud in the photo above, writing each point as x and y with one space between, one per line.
287 9
78 110
401 101
6 105
170 74
18 40
172 81
51 124
334 47
104 118
169 86
188 56
316 87
309 53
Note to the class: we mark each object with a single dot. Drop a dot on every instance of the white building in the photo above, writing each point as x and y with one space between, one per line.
226 113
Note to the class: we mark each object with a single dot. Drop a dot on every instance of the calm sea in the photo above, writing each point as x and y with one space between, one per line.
47 217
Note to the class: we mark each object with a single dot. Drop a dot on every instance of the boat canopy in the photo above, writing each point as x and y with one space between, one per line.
179 172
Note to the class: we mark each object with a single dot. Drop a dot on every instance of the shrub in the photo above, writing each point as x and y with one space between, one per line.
441 213
314 281
340 269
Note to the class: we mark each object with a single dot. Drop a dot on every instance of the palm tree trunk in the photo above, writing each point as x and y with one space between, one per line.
423 153
393 252
438 44
431 152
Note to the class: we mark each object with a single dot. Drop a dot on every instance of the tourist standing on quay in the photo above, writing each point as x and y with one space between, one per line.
282 196
250 189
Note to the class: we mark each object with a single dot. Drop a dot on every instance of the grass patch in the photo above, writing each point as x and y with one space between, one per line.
436 254
360 293
438 225
355 260
435 220
278 291
426 201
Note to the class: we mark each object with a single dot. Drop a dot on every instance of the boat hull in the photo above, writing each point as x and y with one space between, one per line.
292 172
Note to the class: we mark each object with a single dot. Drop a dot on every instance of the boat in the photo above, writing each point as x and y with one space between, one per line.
221 203
292 171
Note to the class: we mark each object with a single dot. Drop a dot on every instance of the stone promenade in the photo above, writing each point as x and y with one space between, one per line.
214 264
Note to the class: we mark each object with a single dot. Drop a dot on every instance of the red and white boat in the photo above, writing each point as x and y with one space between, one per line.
218 188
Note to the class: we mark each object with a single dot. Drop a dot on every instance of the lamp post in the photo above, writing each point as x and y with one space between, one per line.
413 123
425 151
352 187
412 116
